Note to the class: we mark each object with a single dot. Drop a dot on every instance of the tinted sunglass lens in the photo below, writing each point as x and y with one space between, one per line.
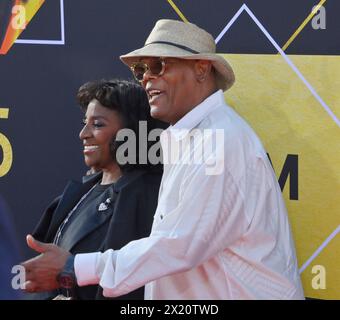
155 67
139 70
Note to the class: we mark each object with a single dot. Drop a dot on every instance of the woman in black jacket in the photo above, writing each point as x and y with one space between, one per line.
115 205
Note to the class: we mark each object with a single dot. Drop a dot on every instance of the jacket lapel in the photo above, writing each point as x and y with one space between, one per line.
90 219
73 192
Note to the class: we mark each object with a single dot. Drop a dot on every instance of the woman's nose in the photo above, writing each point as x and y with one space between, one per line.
84 133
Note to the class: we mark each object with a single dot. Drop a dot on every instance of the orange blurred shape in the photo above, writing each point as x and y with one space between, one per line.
22 13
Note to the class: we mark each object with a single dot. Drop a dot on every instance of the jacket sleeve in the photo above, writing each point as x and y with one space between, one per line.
43 225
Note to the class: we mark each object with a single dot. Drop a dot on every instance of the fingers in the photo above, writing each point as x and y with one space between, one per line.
29 287
30 264
37 245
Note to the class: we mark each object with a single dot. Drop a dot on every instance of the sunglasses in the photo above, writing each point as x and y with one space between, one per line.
155 66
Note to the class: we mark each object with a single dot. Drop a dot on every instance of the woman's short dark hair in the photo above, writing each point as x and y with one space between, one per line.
130 101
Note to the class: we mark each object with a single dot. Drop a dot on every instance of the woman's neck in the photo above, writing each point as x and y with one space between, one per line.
111 175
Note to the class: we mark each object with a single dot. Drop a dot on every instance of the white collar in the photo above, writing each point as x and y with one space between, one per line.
182 127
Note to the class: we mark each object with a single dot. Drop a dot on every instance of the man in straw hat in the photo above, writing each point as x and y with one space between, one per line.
217 234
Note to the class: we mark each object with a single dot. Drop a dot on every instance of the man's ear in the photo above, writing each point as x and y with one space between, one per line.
202 69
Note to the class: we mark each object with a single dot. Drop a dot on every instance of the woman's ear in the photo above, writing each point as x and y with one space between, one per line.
202 69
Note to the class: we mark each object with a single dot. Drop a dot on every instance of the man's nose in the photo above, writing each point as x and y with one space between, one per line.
148 75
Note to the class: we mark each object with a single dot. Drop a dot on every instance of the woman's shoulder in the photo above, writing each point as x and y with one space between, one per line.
141 181
150 178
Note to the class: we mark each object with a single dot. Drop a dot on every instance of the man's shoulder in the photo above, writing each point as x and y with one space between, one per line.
236 131
226 118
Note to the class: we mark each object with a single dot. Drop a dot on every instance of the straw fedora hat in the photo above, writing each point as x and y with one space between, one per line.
172 38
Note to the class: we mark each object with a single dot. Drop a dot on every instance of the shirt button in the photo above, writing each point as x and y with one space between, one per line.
161 216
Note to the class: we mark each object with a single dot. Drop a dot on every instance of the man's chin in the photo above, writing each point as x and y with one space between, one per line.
155 112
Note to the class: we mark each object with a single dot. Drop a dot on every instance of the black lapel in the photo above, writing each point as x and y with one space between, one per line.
90 219
93 218
73 191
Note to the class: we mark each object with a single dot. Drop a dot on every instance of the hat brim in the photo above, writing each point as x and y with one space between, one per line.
224 73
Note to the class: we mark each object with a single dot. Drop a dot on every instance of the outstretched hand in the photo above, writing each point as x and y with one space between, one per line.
42 270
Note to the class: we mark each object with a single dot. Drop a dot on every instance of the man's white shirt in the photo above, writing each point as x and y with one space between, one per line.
220 230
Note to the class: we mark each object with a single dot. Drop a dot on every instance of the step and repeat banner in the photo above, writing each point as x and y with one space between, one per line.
286 57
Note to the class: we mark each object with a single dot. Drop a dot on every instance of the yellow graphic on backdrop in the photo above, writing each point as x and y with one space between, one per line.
179 12
303 24
289 120
5 146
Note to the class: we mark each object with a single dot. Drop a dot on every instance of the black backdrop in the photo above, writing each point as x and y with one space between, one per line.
38 82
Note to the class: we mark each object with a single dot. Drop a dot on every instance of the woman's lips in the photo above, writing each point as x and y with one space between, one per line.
90 149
